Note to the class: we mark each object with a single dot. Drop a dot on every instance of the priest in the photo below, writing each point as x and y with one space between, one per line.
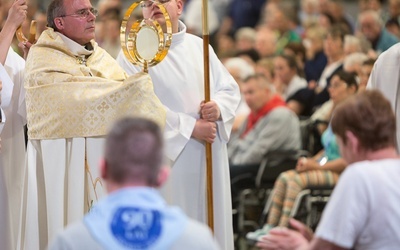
74 90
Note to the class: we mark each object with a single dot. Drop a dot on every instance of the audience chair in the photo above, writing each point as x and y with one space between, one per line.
250 202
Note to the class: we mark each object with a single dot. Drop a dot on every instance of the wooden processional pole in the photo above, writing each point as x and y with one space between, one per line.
206 57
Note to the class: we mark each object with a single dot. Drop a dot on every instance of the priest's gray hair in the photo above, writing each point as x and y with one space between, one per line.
56 9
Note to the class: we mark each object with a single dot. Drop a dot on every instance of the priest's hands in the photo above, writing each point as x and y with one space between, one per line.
25 46
210 111
205 130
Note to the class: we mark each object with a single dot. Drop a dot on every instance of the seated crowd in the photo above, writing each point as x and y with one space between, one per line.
314 56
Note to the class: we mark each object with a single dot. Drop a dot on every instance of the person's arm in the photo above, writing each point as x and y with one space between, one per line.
25 47
288 239
281 238
225 94
298 239
2 122
6 90
59 243
318 243
2 119
336 166
16 15
318 155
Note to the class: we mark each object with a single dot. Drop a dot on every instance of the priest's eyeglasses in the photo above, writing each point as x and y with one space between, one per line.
84 13
149 3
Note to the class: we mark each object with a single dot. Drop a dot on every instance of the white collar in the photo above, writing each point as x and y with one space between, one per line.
180 35
75 47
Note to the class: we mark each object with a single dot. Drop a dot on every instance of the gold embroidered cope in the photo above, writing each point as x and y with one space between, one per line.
67 99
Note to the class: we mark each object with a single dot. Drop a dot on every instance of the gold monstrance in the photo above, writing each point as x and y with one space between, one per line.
143 41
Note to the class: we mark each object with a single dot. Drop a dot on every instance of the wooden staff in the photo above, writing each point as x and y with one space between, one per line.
206 56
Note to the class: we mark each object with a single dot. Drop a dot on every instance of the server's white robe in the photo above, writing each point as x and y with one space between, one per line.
385 77
12 155
178 83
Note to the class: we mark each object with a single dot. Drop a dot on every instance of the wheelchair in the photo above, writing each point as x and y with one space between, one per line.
248 205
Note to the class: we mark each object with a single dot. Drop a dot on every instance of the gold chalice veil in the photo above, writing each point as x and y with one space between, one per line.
143 40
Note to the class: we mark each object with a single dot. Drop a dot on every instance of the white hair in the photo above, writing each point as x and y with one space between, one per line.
313 3
246 33
375 16
352 40
354 59
245 68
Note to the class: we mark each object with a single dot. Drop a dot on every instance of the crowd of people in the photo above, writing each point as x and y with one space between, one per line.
273 63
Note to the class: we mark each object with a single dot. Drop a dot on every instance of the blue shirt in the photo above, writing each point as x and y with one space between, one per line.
329 143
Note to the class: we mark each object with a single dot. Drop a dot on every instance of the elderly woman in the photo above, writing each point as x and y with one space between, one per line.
323 169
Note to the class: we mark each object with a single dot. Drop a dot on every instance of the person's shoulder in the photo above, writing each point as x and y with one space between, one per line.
194 38
75 236
202 231
364 170
389 36
389 53
47 36
358 168
374 165
282 112
75 231
101 50
299 81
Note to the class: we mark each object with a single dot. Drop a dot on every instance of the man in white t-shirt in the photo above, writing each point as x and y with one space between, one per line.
358 215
